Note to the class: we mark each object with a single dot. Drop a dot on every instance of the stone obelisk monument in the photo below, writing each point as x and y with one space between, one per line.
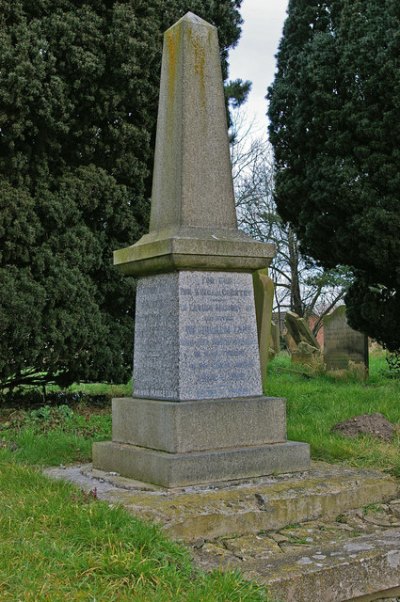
197 414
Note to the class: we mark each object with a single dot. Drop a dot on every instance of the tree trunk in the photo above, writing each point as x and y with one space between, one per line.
296 304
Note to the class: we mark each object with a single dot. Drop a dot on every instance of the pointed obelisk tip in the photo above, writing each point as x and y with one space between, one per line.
192 19
193 220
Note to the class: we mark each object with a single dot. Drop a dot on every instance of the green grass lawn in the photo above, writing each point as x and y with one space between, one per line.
316 404
59 544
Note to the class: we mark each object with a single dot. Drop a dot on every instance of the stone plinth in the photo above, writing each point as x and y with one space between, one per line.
180 443
185 426
211 466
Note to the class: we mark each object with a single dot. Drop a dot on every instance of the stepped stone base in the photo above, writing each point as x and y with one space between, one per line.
188 426
349 548
176 470
245 508
177 443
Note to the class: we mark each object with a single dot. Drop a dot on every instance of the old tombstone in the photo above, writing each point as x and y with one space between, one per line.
264 298
344 348
197 414
303 346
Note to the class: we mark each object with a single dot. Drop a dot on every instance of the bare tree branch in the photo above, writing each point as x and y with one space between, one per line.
295 276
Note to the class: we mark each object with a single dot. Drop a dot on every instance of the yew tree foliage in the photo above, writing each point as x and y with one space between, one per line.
79 85
335 128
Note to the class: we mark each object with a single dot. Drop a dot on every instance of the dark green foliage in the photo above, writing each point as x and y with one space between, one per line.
237 91
334 110
393 361
30 398
78 104
375 309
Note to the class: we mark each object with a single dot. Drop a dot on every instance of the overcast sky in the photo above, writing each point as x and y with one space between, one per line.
254 56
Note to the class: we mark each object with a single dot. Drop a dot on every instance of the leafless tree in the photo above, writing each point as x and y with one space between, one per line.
300 284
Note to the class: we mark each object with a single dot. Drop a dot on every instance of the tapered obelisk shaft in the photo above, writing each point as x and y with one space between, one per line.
193 218
192 181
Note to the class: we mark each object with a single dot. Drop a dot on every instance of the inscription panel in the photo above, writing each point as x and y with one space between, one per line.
156 350
196 337
219 354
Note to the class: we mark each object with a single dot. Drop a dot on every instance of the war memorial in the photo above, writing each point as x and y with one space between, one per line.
198 448
198 413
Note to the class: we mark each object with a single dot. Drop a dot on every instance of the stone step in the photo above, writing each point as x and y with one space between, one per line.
366 567
240 508
359 568
356 557
325 491
331 534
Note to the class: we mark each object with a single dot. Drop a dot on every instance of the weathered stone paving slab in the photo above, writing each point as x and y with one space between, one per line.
349 570
293 539
240 508
317 561
331 534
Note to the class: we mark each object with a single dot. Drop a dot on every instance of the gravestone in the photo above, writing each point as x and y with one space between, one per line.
264 298
302 344
197 414
344 348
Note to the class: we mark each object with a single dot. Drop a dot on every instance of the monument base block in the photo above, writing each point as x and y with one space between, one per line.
178 443
193 468
203 424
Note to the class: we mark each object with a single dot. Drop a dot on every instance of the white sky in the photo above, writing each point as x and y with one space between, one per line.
254 56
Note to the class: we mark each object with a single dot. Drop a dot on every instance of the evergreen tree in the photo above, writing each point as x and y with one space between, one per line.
79 85
334 109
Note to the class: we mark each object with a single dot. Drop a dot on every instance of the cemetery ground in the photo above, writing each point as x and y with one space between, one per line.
58 542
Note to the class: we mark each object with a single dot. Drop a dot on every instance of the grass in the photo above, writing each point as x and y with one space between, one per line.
58 543
103 389
316 404
53 435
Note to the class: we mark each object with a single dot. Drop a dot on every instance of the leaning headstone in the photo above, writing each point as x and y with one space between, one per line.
290 343
299 330
264 298
344 348
197 414
302 344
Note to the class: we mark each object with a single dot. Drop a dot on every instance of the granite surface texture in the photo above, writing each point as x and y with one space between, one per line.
196 337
